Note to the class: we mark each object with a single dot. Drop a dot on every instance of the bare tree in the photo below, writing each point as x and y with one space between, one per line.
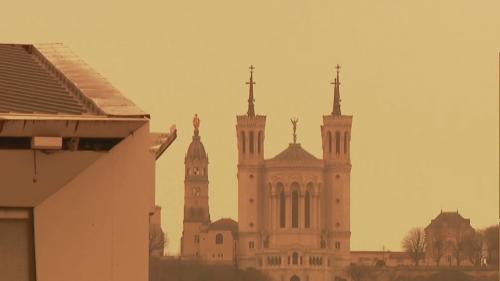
437 247
491 240
462 244
157 239
414 244
475 250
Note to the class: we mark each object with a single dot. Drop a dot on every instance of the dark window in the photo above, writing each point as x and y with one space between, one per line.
219 238
282 209
251 244
295 209
337 244
337 142
307 210
251 142
259 142
243 142
323 243
295 258
330 142
346 142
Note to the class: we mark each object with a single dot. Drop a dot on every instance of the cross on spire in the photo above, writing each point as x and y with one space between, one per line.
336 94
251 109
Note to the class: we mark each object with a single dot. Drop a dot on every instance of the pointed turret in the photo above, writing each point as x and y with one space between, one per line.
251 109
336 94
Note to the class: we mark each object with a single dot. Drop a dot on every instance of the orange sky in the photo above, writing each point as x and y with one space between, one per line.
420 78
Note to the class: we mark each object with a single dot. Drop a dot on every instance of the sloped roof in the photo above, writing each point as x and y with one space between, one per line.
27 86
294 152
224 224
450 218
50 79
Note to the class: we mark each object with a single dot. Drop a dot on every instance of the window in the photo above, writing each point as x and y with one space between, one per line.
346 142
196 191
243 142
323 243
337 142
282 209
337 244
266 242
295 209
330 142
251 245
307 210
259 142
295 258
219 238
197 239
17 256
250 142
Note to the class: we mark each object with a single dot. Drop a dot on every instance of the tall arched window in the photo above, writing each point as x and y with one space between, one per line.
307 210
259 142
337 142
295 208
329 141
250 142
219 239
243 142
346 142
282 209
295 258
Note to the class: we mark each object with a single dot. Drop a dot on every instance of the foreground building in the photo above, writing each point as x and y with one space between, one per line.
77 169
293 209
447 239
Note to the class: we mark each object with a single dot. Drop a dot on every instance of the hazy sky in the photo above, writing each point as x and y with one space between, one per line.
420 78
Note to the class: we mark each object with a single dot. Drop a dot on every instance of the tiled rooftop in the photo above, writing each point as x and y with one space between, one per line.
50 79
27 86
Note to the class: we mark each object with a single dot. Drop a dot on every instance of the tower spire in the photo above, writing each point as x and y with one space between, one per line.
336 94
251 110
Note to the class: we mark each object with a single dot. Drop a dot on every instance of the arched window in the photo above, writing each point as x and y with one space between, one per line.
259 142
243 142
337 142
307 210
250 142
330 142
282 209
219 239
295 258
295 208
346 142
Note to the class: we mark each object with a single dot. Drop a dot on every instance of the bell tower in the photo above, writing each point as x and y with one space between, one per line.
196 211
336 137
250 132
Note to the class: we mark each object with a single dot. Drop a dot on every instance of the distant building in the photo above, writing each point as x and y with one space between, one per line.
77 170
293 209
379 258
447 236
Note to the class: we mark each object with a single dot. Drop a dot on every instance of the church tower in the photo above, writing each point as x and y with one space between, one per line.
250 131
336 137
196 211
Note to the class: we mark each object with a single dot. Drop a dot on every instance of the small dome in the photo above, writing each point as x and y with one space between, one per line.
196 150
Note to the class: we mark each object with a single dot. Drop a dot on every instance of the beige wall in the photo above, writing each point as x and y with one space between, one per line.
218 253
91 212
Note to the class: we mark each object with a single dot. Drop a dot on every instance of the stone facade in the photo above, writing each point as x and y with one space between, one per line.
293 209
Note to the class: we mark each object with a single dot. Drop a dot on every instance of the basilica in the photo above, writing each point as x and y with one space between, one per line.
293 208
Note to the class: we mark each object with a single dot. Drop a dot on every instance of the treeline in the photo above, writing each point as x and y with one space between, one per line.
478 248
175 270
